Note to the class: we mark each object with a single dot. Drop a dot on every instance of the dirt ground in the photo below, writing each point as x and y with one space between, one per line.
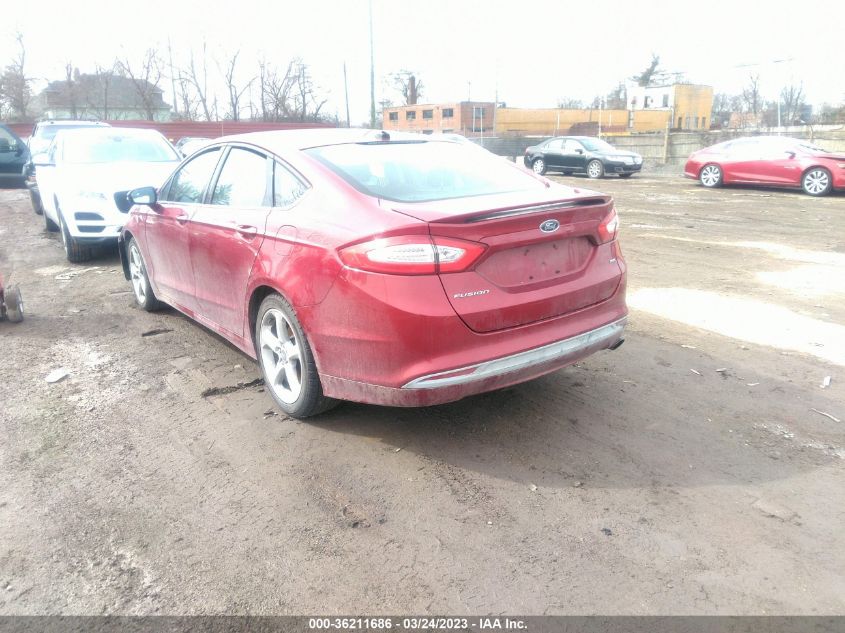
685 473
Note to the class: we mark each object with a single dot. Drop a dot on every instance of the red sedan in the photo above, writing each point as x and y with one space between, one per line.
769 160
396 270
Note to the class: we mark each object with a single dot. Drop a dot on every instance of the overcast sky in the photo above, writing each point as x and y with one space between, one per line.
530 53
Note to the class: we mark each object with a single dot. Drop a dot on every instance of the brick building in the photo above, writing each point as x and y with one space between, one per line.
469 118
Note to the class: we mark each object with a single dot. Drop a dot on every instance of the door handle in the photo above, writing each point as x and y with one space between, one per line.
181 219
246 230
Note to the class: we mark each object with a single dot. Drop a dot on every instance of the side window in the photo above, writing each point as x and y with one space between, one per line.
570 146
189 183
555 144
8 143
287 188
242 181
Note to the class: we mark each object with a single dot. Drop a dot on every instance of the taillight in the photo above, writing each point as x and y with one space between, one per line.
412 255
609 227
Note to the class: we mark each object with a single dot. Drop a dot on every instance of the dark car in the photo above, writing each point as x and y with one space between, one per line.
581 155
39 142
14 157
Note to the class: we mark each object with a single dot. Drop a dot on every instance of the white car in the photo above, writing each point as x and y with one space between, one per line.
85 175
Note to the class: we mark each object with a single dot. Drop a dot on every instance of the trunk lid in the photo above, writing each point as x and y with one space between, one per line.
527 273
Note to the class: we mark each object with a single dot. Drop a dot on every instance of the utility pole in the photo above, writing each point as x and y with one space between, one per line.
372 74
346 93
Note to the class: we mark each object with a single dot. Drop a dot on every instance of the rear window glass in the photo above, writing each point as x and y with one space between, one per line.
423 171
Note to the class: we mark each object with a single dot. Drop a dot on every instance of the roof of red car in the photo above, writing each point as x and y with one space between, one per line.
303 139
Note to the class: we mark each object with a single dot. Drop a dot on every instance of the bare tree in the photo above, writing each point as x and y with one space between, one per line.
193 82
71 90
570 104
15 91
235 93
289 95
99 92
407 84
145 79
752 101
617 99
792 103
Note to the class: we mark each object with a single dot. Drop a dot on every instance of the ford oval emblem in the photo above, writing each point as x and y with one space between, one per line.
550 226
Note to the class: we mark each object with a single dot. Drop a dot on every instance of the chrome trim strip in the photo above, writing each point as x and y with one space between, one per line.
523 360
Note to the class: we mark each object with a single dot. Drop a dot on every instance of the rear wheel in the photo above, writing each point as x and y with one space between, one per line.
817 182
595 169
74 250
711 176
287 363
539 166
144 295
14 304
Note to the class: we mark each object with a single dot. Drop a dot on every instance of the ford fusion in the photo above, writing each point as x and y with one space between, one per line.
385 269
84 177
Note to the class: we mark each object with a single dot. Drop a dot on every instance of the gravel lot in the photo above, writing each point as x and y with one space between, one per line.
685 473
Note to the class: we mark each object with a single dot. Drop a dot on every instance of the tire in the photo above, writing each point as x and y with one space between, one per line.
538 166
76 252
711 176
51 226
595 169
14 304
35 199
145 298
287 364
625 175
816 182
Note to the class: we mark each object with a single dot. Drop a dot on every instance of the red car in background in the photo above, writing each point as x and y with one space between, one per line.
387 269
769 160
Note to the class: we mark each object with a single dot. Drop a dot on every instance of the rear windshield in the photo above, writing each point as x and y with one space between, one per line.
423 171
107 148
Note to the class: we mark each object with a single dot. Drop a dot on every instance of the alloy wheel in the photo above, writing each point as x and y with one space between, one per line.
281 355
539 166
594 169
136 273
816 182
711 175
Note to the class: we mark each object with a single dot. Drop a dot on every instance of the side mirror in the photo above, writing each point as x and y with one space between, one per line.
143 195
579 151
790 154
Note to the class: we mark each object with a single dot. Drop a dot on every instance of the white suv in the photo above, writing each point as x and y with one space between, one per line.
85 175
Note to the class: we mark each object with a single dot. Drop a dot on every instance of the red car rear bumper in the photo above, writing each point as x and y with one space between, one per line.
403 351
452 385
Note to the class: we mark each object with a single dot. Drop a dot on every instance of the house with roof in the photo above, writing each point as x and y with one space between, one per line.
102 96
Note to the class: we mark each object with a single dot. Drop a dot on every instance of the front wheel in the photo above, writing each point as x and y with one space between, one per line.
290 373
75 251
144 295
817 182
711 176
595 169
539 166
